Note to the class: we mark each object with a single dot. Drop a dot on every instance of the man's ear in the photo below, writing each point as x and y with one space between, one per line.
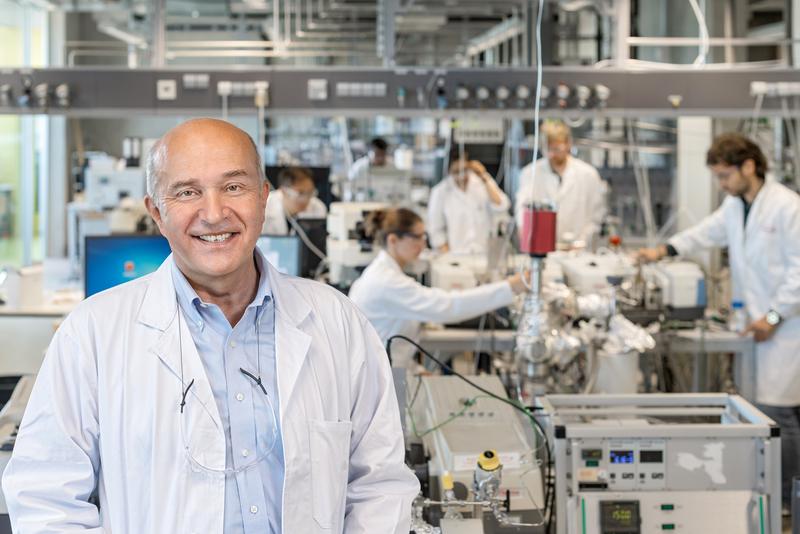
153 210
749 167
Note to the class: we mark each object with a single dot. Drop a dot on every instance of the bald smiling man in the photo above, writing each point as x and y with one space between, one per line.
215 395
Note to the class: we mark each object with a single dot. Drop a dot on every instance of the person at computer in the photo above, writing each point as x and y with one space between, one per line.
378 156
358 174
296 198
465 207
395 303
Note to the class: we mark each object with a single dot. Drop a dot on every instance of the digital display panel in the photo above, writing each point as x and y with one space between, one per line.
621 457
592 454
113 260
651 457
620 517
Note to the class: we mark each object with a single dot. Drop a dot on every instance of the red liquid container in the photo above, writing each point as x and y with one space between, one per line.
537 236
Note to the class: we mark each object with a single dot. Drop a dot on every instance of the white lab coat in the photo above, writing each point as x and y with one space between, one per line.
275 216
395 303
765 267
464 219
580 196
360 168
105 411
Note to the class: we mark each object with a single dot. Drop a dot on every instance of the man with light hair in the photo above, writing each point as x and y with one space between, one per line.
574 186
215 395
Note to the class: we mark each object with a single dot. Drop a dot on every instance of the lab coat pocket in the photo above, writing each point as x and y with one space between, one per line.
330 458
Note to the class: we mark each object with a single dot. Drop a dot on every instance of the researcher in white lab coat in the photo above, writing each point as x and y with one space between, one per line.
395 303
465 208
296 198
215 395
574 186
759 222
377 156
357 185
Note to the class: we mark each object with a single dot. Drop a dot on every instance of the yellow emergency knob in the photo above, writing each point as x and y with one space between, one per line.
447 481
489 461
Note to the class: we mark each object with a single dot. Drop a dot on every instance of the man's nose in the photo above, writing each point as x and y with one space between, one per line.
214 208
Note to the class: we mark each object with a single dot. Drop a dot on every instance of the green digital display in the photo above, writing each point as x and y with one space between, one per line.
620 517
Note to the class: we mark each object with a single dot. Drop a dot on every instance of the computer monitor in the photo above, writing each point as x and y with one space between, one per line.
110 260
282 251
317 232
321 176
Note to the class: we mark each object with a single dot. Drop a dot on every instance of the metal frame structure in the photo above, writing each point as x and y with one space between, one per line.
569 419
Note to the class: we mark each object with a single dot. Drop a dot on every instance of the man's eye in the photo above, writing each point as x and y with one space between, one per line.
234 187
185 193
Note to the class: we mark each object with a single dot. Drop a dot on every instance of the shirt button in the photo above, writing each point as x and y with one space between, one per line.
233 344
239 397
245 453
254 509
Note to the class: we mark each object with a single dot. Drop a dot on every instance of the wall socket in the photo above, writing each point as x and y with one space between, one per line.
167 89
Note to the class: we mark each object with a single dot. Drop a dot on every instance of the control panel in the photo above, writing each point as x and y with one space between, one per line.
505 92
736 512
623 465
648 485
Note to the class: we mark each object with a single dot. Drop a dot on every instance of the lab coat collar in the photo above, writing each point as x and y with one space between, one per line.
471 178
757 207
175 346
292 315
159 303
386 259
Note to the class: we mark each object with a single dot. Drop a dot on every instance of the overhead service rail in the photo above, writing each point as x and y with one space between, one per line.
113 92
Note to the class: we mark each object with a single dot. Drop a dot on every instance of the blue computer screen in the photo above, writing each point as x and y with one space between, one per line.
282 251
113 260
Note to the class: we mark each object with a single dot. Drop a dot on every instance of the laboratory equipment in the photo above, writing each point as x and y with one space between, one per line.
468 435
105 187
635 464
538 232
10 418
349 250
385 184
676 287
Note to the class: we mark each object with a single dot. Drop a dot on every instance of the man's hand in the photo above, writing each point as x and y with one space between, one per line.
519 282
649 255
444 248
761 330
478 168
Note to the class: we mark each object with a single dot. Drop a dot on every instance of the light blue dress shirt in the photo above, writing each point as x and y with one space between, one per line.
253 496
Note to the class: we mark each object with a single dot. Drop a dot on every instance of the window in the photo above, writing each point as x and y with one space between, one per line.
23 142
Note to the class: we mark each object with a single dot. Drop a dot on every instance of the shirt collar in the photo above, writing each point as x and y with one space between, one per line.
191 303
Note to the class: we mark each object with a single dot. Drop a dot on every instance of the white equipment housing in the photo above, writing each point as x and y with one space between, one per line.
348 249
682 284
104 188
588 273
641 464
487 424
